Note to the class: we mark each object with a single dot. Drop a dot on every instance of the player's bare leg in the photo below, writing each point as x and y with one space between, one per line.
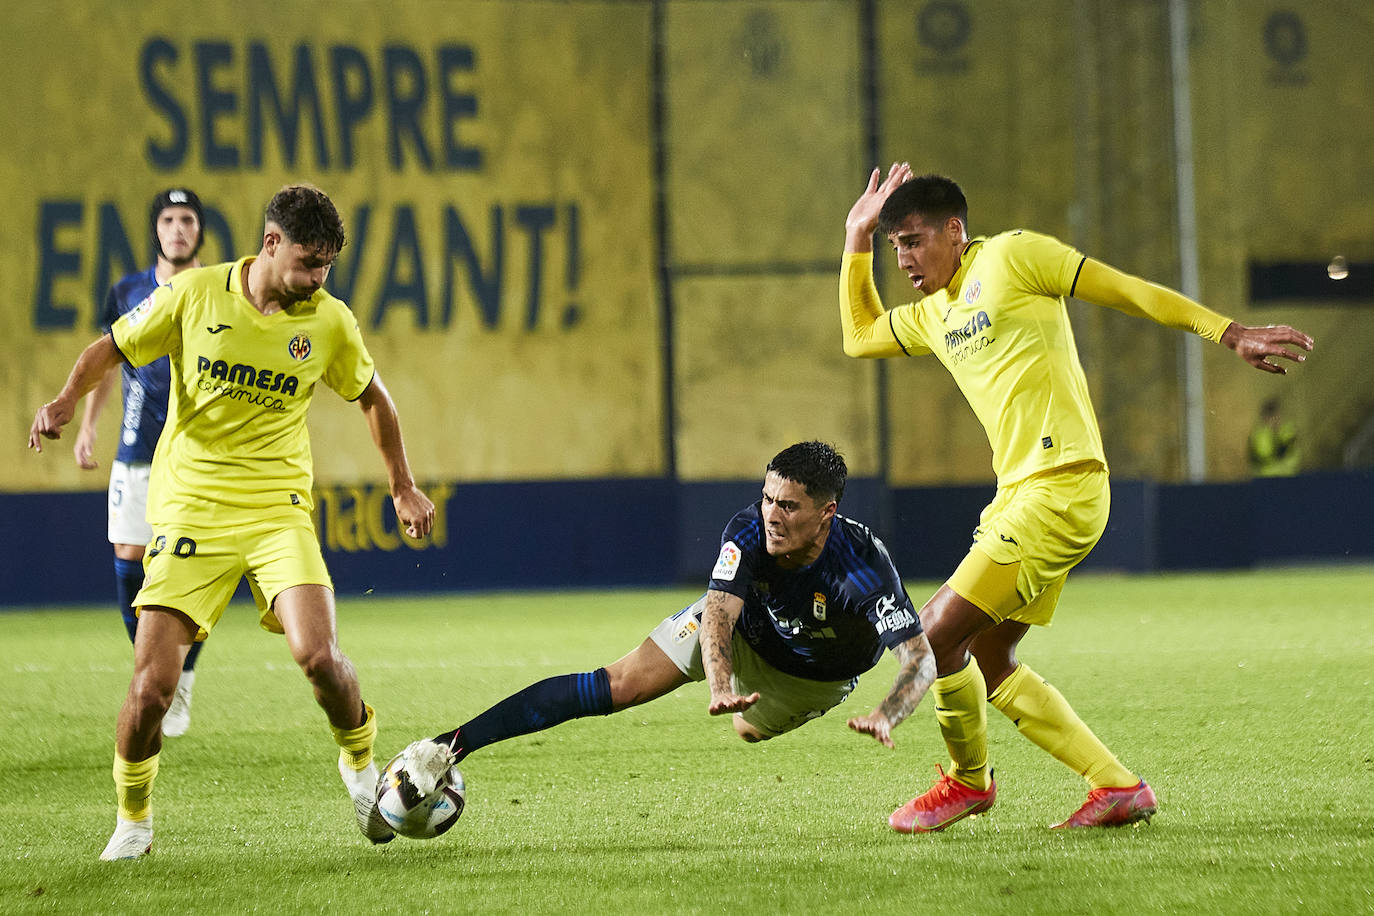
307 616
642 675
164 636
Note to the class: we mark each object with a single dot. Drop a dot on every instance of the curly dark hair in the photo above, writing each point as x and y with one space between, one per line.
814 465
934 198
307 217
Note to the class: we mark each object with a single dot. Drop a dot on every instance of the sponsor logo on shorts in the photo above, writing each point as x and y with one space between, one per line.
818 606
892 617
684 632
727 564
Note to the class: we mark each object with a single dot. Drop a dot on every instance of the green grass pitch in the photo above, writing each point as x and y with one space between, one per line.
1244 698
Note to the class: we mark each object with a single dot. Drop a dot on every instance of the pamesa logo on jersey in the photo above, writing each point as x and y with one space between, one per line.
976 325
242 382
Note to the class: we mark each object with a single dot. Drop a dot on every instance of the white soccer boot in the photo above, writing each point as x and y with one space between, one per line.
426 765
362 788
131 840
178 717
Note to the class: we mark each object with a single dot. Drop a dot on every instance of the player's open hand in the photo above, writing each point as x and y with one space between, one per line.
723 703
84 449
875 724
863 216
414 512
48 423
1257 345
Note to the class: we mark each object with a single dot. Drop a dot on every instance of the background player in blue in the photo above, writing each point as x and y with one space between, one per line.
801 601
178 230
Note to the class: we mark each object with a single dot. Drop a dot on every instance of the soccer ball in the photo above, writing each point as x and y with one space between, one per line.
421 793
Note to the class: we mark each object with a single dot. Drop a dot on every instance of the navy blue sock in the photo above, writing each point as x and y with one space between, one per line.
128 580
191 656
537 707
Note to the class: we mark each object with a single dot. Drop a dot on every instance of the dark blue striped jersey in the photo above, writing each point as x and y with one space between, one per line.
828 621
145 388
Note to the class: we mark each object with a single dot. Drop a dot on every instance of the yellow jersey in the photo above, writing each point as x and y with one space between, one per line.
1002 330
241 386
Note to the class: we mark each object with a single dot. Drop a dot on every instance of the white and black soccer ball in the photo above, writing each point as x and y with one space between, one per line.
421 793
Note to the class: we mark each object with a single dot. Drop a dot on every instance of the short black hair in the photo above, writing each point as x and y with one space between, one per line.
934 198
814 465
307 216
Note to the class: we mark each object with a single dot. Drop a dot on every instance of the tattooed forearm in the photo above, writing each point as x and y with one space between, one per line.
717 625
913 680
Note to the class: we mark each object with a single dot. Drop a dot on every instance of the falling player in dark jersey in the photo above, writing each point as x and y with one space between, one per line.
800 603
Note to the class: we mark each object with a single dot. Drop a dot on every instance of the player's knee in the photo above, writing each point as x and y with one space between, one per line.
996 668
150 695
747 732
321 664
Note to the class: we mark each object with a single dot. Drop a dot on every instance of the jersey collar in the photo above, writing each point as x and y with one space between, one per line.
965 262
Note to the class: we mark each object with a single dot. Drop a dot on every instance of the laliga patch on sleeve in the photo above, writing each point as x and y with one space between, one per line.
135 314
727 564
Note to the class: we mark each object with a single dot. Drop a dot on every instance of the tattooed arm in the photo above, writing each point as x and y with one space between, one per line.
717 628
913 680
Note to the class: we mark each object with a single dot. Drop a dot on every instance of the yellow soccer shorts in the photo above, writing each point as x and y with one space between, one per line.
194 565
1028 538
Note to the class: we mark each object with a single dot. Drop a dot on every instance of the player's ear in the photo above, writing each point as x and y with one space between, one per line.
271 238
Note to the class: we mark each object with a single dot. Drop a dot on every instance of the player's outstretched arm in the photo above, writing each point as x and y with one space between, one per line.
1257 345
1105 285
717 629
91 366
84 447
913 680
414 511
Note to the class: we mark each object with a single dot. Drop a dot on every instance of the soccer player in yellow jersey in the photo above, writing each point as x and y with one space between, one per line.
993 312
231 478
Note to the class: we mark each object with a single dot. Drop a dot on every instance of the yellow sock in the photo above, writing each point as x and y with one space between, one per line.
1041 713
134 786
355 744
963 719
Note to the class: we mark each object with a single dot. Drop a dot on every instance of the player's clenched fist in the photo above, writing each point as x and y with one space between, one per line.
48 423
